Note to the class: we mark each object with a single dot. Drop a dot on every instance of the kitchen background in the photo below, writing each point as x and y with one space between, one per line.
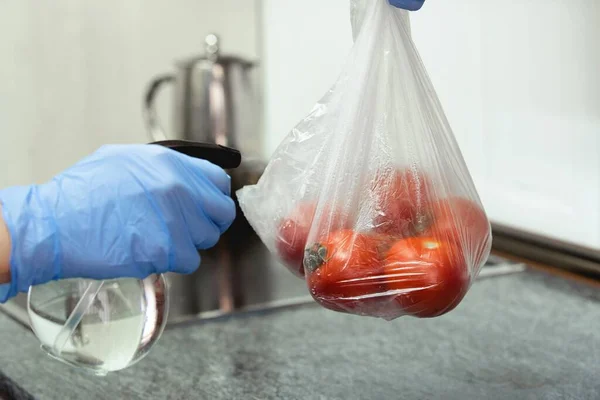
518 80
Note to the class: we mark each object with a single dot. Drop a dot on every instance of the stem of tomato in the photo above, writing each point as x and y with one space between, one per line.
314 257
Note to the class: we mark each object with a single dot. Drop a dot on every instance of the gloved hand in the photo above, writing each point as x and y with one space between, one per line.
410 5
124 211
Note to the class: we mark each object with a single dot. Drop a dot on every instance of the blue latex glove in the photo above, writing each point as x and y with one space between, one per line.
410 5
125 211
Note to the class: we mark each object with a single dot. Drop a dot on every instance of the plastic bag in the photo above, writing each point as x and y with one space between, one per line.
368 197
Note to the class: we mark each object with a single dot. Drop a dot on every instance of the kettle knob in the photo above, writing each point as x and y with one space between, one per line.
211 46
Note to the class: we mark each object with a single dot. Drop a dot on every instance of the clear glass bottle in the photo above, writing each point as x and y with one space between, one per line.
101 326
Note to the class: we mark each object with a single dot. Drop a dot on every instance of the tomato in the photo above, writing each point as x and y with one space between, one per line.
293 231
464 223
344 271
429 276
402 200
292 234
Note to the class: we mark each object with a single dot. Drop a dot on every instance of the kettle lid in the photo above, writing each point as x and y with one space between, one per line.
212 54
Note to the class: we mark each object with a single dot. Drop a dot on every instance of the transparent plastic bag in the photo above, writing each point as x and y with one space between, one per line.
368 197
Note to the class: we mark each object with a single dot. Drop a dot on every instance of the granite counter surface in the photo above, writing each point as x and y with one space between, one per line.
523 336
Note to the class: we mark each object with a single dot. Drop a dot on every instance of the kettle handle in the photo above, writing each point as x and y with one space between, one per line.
150 115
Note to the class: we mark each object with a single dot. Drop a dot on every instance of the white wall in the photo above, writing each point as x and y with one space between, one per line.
73 73
518 80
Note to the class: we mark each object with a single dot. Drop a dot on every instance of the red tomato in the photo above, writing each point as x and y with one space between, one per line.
291 237
402 201
430 276
344 271
464 223
293 231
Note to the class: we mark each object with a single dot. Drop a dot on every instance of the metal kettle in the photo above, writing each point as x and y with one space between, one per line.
215 101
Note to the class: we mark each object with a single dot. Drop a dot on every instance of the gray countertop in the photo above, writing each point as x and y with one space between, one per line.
523 336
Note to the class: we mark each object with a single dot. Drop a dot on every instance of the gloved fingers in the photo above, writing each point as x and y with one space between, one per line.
204 198
212 191
220 209
198 168
215 174
187 260
204 211
205 235
410 5
172 247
